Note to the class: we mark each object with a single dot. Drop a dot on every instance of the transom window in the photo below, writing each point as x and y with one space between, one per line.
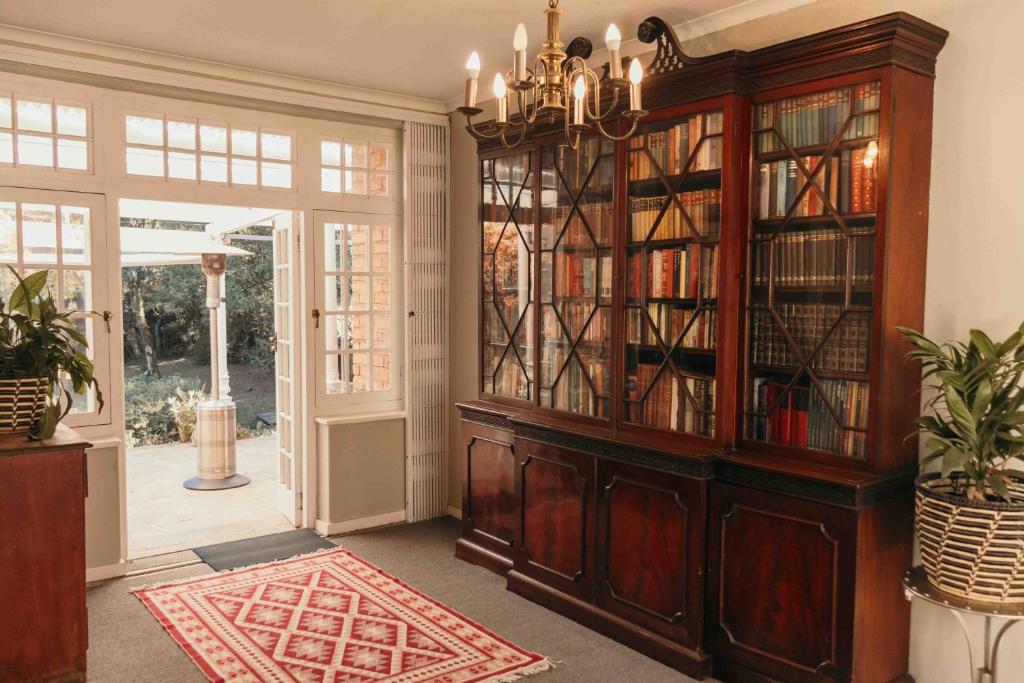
182 148
356 167
358 321
39 132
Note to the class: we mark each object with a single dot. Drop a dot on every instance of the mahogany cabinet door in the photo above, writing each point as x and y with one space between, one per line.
489 495
781 584
555 543
650 549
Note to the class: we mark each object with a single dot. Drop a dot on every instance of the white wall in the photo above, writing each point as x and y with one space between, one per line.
975 247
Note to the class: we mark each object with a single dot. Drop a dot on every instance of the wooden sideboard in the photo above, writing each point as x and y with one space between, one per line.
43 625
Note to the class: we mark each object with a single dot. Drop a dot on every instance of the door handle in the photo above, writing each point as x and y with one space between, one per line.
316 318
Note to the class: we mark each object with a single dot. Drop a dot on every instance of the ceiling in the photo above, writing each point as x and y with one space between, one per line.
410 47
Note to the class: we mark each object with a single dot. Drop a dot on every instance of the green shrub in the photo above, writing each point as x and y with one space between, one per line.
149 417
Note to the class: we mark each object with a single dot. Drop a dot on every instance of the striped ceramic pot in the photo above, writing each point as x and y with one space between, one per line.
22 401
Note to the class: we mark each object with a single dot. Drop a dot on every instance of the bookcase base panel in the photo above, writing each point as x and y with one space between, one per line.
690 662
482 557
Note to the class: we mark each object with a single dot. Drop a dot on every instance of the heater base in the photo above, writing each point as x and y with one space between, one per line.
232 482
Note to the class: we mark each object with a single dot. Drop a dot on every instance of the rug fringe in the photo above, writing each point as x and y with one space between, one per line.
187 579
546 664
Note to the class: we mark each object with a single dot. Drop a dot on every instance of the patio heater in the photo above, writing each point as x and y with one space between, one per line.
215 418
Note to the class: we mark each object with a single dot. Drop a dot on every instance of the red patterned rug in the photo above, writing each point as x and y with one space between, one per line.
328 617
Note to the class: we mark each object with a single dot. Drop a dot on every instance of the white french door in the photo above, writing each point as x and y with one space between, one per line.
286 344
63 232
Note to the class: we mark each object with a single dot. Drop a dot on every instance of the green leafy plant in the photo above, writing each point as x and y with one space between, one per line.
977 413
38 340
183 409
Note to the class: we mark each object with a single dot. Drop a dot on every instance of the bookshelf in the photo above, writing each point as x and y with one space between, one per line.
812 244
673 231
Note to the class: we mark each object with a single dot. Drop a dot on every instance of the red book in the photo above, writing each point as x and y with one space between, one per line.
691 276
868 189
857 183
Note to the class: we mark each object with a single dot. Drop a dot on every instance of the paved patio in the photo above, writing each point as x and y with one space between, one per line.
164 517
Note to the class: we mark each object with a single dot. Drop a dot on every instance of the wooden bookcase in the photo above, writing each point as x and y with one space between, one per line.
693 410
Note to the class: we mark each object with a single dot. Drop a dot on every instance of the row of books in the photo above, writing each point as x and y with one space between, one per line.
671 149
703 207
667 406
572 390
849 185
509 310
802 418
817 118
599 216
816 258
574 316
509 379
669 322
674 273
575 164
846 349
575 275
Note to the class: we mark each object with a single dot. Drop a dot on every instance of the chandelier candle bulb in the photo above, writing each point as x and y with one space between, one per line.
579 93
636 74
519 43
499 96
613 39
473 67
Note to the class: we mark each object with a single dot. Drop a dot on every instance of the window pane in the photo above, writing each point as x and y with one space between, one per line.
276 175
77 290
8 232
359 293
213 139
5 112
181 165
35 151
338 372
379 157
214 169
39 231
73 154
338 332
334 247
7 151
243 171
381 371
335 287
381 331
275 146
37 116
330 180
355 182
360 330
359 372
355 154
378 184
140 161
72 120
74 234
181 134
381 293
330 153
243 142
7 283
381 248
144 130
359 237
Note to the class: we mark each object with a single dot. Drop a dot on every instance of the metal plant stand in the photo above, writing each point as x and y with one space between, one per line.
983 662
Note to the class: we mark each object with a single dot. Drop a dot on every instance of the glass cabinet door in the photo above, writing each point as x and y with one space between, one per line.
576 276
507 270
673 228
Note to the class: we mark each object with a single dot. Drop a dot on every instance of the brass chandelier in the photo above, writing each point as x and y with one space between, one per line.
558 82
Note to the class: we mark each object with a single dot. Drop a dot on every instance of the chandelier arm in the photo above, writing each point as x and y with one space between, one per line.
528 115
522 136
572 137
632 129
480 135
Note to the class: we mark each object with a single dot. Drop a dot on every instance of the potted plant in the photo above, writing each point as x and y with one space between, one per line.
970 514
43 363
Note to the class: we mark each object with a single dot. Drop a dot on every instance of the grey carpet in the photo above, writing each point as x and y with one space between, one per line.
235 554
127 644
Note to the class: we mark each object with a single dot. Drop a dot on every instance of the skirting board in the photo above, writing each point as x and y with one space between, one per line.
454 512
105 571
332 528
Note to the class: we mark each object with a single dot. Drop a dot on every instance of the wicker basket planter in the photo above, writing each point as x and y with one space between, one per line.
969 548
22 401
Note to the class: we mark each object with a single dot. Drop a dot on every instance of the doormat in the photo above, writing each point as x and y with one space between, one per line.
235 554
329 616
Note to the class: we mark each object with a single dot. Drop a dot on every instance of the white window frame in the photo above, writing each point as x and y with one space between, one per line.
368 401
388 172
228 155
98 267
14 131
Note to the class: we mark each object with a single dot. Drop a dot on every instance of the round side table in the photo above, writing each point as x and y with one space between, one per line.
916 585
